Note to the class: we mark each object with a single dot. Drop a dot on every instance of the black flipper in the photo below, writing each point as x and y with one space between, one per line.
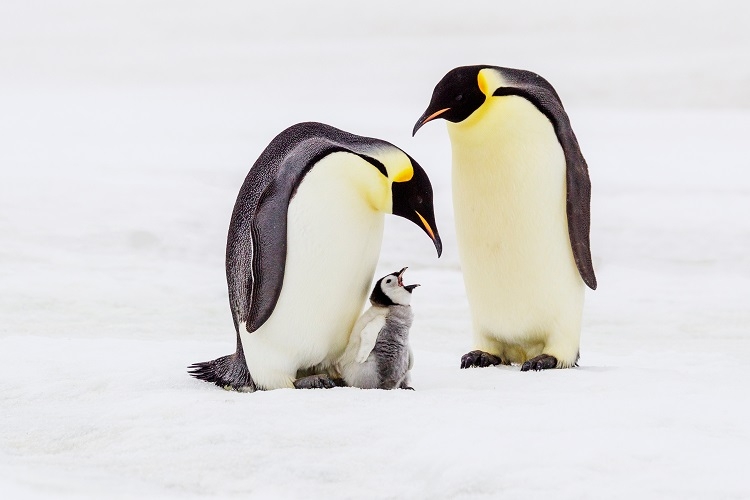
541 94
269 229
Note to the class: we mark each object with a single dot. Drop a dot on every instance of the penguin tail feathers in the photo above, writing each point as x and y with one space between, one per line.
229 372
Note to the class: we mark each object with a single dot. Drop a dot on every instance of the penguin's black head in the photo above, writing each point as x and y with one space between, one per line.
390 290
455 97
412 200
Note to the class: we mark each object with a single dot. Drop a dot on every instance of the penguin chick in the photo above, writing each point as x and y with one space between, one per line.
378 354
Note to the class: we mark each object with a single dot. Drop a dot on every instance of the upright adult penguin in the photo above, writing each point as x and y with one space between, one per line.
303 243
521 195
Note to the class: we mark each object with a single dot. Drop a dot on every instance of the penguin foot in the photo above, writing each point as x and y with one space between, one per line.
318 382
541 362
479 359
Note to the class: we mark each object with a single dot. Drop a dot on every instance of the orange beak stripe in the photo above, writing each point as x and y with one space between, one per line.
426 225
433 116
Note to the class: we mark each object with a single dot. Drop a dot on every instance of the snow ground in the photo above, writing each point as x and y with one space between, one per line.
127 130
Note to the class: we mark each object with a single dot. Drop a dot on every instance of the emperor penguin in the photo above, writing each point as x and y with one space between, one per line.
304 239
378 354
521 195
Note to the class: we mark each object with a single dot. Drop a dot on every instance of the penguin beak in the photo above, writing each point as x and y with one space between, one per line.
430 232
428 116
412 200
400 278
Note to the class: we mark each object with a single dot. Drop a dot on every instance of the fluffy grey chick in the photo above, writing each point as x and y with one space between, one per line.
378 354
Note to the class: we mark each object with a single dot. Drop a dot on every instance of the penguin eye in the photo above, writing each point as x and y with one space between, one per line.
388 280
459 97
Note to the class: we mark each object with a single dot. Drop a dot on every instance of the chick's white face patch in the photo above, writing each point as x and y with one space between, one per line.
393 288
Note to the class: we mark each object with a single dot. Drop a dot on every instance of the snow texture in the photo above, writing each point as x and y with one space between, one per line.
127 128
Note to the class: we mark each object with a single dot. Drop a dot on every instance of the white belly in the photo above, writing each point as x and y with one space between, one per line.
509 198
334 236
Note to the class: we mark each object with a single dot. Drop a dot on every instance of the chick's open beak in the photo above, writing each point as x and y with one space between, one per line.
400 278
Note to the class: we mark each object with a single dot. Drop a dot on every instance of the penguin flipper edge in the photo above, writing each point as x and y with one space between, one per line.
268 230
368 337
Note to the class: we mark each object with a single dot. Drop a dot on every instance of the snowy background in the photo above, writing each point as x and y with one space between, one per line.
126 129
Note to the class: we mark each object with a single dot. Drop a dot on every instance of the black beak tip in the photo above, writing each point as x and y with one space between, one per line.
417 126
439 246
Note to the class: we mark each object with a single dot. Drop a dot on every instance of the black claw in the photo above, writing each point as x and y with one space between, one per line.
541 362
315 382
479 359
338 382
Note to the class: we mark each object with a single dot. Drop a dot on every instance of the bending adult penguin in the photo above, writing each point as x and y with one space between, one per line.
303 243
521 195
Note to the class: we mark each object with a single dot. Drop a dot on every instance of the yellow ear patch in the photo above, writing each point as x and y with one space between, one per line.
396 162
404 174
482 81
489 80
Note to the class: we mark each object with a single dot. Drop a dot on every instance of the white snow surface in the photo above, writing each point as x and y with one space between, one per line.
127 129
